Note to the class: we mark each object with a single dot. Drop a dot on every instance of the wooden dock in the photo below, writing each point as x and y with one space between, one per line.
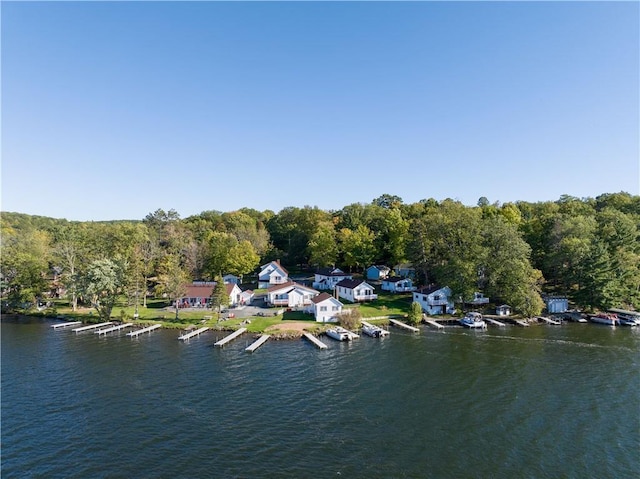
65 325
113 328
519 322
190 335
494 321
231 337
432 322
315 340
259 342
138 332
91 326
549 320
400 324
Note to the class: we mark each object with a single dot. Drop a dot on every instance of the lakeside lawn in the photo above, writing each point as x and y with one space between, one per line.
157 312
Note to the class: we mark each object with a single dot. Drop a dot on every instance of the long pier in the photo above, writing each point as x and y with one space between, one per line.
259 342
231 337
138 332
549 320
65 325
400 324
315 340
190 335
113 328
494 322
521 323
91 326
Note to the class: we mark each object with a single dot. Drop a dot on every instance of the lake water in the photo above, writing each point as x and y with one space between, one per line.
539 402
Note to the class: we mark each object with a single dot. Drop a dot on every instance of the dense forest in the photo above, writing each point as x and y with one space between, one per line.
584 248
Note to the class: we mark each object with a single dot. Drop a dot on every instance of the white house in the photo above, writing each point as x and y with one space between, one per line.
434 299
272 273
234 292
397 284
377 272
327 278
503 310
325 308
246 297
355 290
290 294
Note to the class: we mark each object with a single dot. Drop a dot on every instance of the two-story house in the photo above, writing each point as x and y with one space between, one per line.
434 299
271 274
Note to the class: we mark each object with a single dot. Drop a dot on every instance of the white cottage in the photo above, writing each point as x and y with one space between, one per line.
325 308
434 299
327 278
397 284
355 290
503 310
290 294
272 273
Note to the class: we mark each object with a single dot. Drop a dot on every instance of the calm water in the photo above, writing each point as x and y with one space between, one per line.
516 403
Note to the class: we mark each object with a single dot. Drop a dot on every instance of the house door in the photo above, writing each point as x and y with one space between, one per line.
444 309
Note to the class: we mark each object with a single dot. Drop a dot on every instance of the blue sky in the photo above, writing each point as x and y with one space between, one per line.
113 110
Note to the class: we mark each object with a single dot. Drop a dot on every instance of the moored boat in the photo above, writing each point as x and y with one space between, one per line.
341 334
609 319
473 320
374 331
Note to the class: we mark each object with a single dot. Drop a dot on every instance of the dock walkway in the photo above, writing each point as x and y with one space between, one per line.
315 340
113 328
190 335
400 324
65 325
432 322
134 334
519 322
259 342
91 326
494 321
549 320
231 337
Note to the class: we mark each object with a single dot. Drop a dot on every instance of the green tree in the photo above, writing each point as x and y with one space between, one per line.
103 282
357 246
323 246
219 296
350 318
415 313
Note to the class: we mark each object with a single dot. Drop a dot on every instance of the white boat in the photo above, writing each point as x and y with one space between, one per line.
628 320
341 334
374 331
473 320
606 318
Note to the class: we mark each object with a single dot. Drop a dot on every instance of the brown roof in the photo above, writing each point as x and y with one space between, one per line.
321 297
198 291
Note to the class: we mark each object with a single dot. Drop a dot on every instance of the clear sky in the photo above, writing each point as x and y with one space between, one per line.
113 110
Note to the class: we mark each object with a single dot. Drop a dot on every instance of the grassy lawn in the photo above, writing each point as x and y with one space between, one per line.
386 304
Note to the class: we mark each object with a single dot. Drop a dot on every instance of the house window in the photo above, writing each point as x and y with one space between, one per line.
334 308
323 308
424 298
436 297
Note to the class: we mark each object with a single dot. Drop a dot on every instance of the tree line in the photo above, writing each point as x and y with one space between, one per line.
585 248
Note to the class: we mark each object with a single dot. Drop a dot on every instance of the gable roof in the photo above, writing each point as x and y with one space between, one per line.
323 297
350 283
289 285
380 267
331 272
276 264
429 289
394 279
